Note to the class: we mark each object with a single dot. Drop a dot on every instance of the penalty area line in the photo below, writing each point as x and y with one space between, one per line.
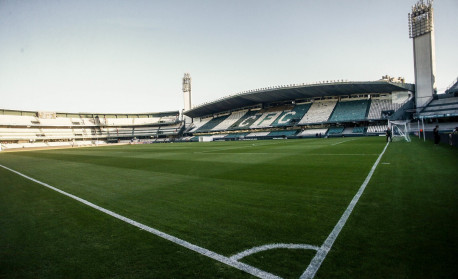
205 252
327 245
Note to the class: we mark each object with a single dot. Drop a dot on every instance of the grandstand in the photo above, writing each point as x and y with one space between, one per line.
295 111
312 109
446 107
28 129
441 110
318 110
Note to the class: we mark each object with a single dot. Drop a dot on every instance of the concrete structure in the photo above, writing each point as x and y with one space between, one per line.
421 30
38 129
187 96
297 93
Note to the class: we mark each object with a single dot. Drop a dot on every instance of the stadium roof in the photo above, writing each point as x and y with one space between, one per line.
296 92
91 114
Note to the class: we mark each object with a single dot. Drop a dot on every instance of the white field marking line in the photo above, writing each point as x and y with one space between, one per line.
243 153
254 250
327 245
343 154
283 153
215 256
342 142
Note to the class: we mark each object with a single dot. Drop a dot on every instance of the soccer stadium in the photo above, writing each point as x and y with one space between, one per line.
333 179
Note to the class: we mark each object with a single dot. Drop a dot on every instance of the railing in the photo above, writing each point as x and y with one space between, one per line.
451 85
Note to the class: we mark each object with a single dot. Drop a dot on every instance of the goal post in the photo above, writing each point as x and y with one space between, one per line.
400 130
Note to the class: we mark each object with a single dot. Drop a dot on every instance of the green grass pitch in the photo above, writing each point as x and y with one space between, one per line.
228 197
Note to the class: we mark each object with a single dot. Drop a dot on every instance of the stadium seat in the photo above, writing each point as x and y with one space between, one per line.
319 111
377 129
246 121
211 124
26 131
266 119
226 123
378 105
291 117
352 110
358 130
335 131
313 132
287 133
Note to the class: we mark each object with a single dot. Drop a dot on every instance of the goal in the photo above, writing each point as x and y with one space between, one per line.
400 130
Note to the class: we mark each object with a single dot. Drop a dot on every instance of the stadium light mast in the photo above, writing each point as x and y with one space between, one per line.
187 95
421 30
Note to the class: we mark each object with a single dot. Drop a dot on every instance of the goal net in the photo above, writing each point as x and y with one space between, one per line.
400 130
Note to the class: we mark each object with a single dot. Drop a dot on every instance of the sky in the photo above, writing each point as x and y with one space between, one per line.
118 56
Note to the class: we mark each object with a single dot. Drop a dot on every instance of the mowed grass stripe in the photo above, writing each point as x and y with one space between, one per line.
200 250
47 235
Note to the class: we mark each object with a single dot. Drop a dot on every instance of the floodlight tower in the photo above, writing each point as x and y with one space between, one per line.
421 30
187 95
